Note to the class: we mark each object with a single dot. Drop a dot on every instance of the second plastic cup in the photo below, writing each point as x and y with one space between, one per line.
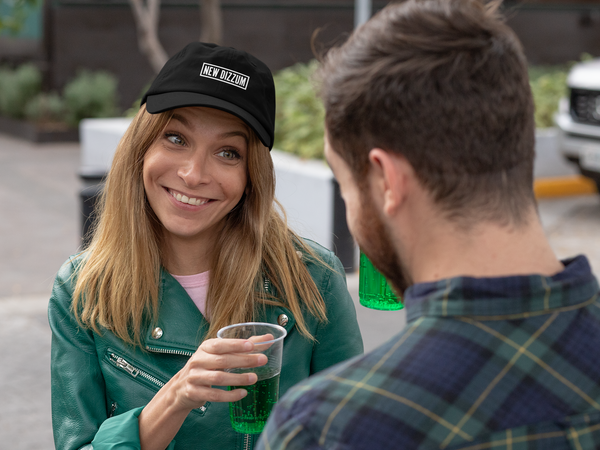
250 414
373 289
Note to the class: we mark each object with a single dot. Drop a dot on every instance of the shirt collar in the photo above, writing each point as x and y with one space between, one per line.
511 297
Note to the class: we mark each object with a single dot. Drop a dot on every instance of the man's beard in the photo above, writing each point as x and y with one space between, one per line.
375 242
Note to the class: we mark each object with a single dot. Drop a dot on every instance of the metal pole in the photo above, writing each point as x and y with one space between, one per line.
362 12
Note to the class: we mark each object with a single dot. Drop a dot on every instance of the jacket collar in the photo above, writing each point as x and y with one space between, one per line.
181 327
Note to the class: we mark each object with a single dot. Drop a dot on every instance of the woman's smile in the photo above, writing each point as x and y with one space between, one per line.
187 199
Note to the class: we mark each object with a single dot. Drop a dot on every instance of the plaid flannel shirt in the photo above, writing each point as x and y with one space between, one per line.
483 363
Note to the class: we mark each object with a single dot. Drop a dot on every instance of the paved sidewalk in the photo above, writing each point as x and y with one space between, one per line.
38 198
25 422
40 226
38 231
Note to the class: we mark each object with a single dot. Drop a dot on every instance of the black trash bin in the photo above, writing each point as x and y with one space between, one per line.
343 242
90 194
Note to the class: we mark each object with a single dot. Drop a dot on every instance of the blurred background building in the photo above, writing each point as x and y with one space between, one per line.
63 36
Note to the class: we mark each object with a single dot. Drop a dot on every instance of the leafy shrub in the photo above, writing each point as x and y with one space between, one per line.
548 86
17 88
45 107
90 94
299 123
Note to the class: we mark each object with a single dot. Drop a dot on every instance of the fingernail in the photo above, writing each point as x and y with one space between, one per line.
248 345
244 392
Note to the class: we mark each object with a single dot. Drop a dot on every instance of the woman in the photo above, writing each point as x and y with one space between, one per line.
189 198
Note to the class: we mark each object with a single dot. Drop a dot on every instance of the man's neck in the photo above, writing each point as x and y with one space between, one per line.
486 250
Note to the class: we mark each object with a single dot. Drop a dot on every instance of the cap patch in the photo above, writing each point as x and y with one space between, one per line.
225 75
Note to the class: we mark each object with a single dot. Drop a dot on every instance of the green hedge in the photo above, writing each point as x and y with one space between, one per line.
89 94
548 85
300 114
17 88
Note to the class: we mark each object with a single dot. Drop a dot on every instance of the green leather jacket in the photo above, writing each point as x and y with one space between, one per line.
100 384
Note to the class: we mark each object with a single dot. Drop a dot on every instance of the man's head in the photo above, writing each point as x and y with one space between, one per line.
444 85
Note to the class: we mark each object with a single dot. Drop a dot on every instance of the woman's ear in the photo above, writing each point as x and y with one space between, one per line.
390 179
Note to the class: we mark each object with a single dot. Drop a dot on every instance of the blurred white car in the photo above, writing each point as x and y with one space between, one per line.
578 119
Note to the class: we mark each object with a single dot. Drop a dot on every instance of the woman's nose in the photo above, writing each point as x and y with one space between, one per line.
194 172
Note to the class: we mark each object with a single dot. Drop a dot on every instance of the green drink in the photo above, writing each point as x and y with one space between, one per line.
250 414
373 289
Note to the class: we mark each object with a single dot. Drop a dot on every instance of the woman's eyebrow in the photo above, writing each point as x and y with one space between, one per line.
181 119
235 133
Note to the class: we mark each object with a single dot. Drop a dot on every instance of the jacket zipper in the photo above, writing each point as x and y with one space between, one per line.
170 352
247 440
134 371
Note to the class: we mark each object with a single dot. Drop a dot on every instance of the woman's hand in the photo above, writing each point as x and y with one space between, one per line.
206 368
192 386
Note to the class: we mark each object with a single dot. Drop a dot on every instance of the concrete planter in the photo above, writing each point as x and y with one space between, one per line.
99 140
306 189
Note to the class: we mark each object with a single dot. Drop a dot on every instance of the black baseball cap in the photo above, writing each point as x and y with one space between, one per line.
217 77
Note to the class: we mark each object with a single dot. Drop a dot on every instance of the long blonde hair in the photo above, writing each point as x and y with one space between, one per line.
117 286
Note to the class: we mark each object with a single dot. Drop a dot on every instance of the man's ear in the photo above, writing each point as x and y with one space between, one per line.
390 174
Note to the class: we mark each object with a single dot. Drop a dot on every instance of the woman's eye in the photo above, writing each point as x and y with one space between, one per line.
175 139
229 154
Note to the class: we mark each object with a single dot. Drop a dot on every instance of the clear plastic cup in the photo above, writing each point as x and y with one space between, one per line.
250 414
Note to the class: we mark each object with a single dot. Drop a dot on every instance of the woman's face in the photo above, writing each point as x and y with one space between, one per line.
196 172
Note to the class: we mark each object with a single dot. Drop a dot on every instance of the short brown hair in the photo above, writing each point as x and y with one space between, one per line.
445 84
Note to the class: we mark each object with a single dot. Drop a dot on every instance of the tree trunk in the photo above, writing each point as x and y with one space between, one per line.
211 21
146 14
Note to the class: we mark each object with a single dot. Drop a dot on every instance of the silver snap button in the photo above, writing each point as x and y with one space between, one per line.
283 320
157 333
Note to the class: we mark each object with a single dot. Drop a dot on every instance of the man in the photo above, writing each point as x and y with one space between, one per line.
430 133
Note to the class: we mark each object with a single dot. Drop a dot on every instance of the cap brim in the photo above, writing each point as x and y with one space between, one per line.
163 102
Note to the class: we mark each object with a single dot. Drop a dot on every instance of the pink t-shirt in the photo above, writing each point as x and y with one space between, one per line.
197 287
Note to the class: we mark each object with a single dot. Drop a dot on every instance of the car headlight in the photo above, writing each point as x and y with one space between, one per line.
585 106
